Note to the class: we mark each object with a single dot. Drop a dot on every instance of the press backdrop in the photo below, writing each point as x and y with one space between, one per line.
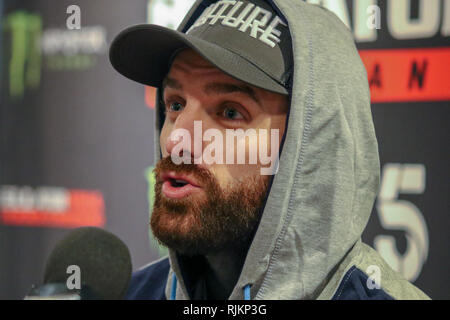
77 138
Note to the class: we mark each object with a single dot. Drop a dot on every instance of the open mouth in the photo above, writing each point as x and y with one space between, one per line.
177 183
177 187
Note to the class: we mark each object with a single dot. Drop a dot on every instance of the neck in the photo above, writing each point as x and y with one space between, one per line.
223 272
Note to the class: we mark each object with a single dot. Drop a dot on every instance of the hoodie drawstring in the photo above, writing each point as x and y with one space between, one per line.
173 292
247 292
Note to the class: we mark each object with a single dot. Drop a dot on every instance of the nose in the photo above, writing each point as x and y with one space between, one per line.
185 140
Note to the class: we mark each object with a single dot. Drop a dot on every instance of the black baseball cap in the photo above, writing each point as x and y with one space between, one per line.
248 40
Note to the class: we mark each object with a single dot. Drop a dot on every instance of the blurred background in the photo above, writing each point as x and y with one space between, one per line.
76 138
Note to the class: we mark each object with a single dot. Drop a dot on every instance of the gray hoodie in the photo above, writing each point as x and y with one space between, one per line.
308 243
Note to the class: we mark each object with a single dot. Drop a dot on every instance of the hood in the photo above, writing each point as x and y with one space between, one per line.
322 196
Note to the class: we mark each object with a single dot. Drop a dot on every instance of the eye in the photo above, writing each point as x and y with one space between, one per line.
174 106
232 114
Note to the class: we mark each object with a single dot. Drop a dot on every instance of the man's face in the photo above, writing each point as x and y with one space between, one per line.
202 208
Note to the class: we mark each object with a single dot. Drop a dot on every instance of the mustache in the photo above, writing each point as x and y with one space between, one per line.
202 175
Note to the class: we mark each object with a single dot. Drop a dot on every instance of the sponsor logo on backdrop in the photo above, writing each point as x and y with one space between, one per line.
51 207
401 75
429 21
25 30
57 49
76 49
400 214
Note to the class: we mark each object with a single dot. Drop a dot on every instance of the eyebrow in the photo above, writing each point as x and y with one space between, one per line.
170 82
215 88
225 88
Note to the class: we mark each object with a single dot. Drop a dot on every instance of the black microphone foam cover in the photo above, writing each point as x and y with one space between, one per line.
103 259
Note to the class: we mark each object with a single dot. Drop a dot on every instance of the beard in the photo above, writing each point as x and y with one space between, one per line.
211 220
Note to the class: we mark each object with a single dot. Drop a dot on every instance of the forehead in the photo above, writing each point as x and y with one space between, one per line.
190 67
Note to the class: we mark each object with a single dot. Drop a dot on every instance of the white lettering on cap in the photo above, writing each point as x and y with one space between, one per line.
256 20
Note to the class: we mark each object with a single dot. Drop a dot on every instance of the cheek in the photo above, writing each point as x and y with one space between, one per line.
228 175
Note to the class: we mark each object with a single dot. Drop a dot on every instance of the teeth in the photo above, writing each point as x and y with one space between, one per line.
180 181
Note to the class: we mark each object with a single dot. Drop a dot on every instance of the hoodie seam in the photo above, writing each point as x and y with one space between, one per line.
344 282
304 144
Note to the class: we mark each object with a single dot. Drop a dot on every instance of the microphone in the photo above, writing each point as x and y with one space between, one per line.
88 264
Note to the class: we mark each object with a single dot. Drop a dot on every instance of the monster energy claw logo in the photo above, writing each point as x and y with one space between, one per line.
25 62
63 49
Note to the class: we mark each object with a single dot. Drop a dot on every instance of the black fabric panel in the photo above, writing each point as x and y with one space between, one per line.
149 283
353 287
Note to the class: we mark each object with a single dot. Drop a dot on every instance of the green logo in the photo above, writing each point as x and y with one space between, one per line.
25 62
151 180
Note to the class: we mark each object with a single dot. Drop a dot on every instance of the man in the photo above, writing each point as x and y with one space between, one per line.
286 228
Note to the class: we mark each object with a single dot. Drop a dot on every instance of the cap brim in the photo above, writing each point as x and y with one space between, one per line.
142 53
